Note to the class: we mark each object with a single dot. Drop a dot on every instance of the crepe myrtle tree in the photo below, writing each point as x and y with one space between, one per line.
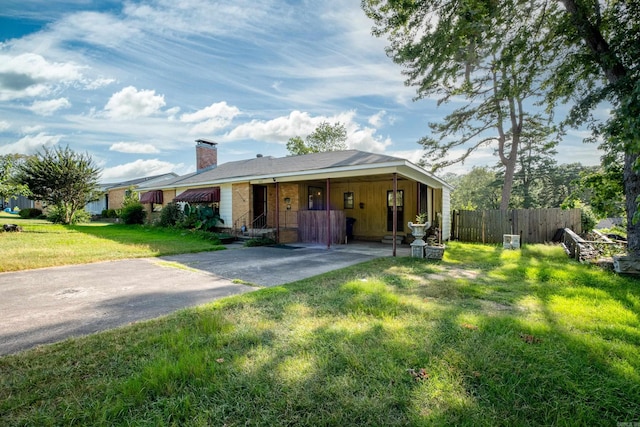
61 178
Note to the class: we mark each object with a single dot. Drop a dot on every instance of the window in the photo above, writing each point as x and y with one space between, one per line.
316 198
399 210
399 200
348 200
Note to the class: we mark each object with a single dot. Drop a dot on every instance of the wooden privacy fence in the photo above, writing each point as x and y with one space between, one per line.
313 226
532 225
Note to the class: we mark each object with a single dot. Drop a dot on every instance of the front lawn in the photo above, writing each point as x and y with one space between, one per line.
486 337
43 244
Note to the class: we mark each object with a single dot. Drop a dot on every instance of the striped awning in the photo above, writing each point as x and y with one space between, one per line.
154 196
199 195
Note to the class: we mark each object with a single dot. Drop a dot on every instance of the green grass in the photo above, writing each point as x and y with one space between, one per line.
43 244
504 338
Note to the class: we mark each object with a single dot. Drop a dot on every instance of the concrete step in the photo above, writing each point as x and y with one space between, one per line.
389 240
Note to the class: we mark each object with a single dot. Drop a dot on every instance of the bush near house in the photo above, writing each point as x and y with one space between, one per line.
30 213
133 213
109 213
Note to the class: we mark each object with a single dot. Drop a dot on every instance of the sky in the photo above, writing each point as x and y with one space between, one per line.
135 83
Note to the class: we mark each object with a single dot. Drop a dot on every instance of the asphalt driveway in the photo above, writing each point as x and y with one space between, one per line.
51 304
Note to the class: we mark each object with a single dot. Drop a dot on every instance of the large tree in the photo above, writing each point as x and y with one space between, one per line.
467 51
9 187
326 137
594 52
62 178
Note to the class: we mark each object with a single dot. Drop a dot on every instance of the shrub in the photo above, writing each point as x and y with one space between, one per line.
30 213
171 215
109 213
200 217
133 213
56 215
587 218
263 241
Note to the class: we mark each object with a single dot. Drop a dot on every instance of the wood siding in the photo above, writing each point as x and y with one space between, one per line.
532 225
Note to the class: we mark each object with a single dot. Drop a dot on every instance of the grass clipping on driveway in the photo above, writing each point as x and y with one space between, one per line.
43 244
486 337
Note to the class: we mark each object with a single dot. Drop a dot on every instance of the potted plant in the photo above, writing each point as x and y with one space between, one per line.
418 231
421 218
434 248
418 228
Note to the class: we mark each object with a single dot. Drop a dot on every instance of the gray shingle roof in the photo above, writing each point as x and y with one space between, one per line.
291 164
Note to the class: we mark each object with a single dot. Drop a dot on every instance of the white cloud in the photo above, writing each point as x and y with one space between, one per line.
29 75
366 140
31 129
172 113
138 169
210 119
376 119
100 29
133 148
47 108
4 125
98 83
130 103
280 129
30 144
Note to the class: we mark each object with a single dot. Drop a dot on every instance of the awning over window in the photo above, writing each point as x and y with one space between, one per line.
199 195
154 196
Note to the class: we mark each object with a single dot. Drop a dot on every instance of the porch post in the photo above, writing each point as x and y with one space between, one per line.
418 204
328 213
277 212
395 210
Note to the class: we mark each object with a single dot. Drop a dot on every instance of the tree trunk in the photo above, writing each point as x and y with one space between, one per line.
631 191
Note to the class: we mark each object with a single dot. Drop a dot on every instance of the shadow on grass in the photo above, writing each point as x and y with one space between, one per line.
344 349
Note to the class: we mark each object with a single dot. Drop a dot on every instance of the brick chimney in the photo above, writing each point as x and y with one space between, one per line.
206 154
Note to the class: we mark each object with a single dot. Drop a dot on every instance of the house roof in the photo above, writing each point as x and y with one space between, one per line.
161 179
309 166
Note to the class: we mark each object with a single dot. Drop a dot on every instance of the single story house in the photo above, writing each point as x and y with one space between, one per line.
113 194
327 197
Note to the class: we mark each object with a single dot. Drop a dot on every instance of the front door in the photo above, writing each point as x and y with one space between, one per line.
400 209
259 206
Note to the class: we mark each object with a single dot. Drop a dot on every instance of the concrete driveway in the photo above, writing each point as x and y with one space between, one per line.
51 304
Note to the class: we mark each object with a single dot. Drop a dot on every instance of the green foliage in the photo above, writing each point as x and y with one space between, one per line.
606 190
109 213
504 338
422 218
60 215
133 213
260 241
477 190
568 51
9 186
297 147
325 137
200 217
469 51
588 218
30 213
170 215
61 178
131 197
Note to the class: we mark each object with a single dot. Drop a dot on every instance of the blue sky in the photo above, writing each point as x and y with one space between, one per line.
135 83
